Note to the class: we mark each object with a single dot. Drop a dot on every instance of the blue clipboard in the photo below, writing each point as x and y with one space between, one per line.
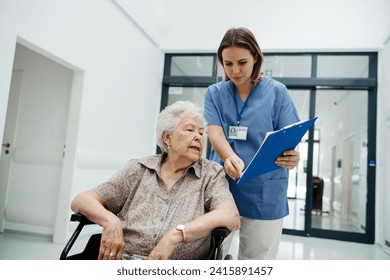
274 144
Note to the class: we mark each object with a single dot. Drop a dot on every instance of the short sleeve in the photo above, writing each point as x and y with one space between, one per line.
117 189
217 190
211 113
287 112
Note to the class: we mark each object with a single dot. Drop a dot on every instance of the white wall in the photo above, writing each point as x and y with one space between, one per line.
121 86
277 24
383 140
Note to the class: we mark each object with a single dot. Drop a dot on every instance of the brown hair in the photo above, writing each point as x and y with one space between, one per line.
243 38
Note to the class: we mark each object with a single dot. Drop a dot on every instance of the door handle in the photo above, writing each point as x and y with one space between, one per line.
7 145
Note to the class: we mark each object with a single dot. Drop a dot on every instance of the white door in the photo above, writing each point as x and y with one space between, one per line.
7 144
35 128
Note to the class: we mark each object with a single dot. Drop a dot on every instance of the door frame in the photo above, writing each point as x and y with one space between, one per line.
72 129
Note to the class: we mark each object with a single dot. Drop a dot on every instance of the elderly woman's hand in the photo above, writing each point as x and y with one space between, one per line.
289 159
112 242
233 166
166 245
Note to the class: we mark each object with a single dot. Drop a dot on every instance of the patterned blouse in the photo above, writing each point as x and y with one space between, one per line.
138 195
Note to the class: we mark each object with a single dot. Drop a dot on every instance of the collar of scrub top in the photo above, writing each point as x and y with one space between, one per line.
239 113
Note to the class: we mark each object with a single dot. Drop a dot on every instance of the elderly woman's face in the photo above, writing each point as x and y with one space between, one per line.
186 141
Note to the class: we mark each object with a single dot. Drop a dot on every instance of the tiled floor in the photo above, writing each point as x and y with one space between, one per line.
17 246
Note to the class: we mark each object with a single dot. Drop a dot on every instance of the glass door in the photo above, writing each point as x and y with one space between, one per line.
338 186
340 180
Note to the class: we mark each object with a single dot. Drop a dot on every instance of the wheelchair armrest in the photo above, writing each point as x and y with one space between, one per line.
221 232
77 217
216 247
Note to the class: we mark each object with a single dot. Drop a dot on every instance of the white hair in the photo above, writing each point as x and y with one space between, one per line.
169 118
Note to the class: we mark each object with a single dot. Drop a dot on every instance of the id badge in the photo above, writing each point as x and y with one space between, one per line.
238 132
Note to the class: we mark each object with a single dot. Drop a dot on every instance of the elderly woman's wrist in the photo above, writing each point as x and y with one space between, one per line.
177 237
111 220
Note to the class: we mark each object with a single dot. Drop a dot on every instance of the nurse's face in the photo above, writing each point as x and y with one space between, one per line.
238 65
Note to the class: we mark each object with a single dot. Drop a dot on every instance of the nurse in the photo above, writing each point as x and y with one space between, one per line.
239 111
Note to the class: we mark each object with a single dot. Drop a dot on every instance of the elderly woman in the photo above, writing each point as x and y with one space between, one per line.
163 206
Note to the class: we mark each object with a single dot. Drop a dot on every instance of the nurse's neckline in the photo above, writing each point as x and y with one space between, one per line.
244 96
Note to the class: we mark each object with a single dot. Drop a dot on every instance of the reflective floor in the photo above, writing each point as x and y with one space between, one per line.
19 246
327 220
311 248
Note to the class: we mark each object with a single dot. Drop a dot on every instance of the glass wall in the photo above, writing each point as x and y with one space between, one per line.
298 66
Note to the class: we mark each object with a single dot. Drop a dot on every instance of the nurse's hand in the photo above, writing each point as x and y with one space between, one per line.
289 159
233 166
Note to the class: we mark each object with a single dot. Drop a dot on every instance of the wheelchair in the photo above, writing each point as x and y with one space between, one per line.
91 250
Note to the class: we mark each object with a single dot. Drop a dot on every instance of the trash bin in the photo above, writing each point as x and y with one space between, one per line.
318 191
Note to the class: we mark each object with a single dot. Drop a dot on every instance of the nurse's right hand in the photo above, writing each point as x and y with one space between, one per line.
233 166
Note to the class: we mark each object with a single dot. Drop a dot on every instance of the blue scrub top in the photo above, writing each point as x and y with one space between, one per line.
269 107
